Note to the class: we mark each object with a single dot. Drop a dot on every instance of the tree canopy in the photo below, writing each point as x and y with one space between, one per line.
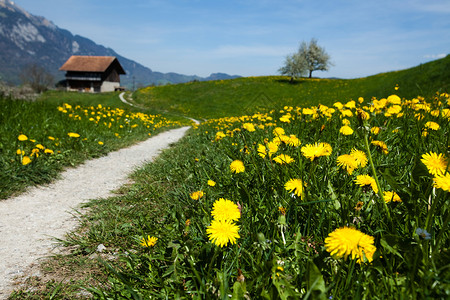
309 57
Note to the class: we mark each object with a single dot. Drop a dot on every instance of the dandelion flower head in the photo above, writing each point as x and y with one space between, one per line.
222 232
432 125
391 196
150 241
73 134
435 163
347 162
237 166
293 141
313 151
278 131
347 241
196 195
442 182
22 137
26 160
295 186
283 159
249 127
224 209
381 146
346 130
360 157
366 181
211 182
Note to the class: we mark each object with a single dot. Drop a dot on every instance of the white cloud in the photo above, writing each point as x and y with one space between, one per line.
435 56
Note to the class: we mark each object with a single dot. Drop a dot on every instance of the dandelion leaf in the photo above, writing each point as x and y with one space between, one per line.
314 282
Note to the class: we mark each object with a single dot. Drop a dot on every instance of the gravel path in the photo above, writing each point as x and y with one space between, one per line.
29 222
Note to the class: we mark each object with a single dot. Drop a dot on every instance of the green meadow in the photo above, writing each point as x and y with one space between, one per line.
317 189
235 97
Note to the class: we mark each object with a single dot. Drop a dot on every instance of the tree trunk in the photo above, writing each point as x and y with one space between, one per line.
310 73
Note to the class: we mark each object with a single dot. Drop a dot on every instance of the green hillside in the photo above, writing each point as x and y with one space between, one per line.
246 95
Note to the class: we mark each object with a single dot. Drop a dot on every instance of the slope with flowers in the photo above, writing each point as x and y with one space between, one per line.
343 201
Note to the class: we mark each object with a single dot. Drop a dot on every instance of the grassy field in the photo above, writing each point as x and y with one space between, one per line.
251 94
35 142
278 199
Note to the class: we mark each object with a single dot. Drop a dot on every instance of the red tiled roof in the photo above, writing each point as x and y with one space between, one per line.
79 63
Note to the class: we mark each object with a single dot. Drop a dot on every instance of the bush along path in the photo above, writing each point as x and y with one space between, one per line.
30 222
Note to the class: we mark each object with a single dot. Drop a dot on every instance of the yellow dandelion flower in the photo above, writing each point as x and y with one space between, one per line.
51 138
48 151
237 166
381 146
295 186
347 241
394 99
20 152
224 209
22 137
366 181
347 162
73 134
196 195
286 118
150 241
432 125
308 111
222 232
293 141
345 122
220 135
211 183
249 127
359 205
362 114
375 130
272 148
26 160
391 196
282 210
360 157
262 151
283 159
435 163
278 131
313 151
350 104
442 181
346 113
346 130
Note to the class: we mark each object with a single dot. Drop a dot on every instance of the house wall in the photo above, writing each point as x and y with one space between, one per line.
109 86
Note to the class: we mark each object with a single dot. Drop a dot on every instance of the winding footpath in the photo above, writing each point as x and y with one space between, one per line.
30 222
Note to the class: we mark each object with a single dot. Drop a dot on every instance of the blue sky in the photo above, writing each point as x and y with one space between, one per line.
252 38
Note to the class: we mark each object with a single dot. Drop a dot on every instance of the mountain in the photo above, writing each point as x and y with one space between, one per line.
26 39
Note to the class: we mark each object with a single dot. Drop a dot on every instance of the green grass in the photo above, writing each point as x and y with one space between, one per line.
247 95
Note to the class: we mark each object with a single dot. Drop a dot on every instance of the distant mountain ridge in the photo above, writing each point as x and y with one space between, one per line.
27 39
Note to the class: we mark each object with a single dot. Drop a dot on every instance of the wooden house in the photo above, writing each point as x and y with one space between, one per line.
92 73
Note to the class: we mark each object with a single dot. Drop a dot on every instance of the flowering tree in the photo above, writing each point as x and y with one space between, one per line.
309 57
